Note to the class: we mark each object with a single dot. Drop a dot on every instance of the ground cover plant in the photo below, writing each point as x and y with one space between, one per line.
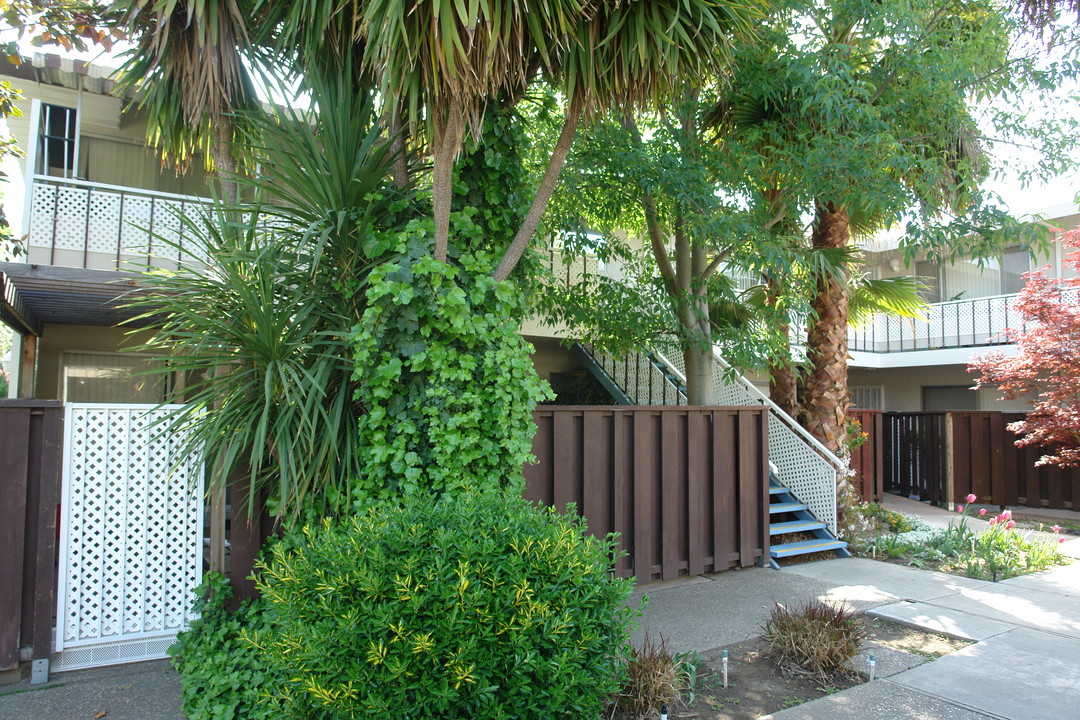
223 676
476 606
999 552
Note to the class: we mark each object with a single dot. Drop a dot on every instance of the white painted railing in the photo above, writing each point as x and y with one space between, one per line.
75 223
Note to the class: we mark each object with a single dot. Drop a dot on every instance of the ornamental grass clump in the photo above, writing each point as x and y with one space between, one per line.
813 638
475 606
654 678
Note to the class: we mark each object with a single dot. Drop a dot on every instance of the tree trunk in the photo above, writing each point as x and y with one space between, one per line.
700 385
224 162
543 193
442 178
783 388
825 397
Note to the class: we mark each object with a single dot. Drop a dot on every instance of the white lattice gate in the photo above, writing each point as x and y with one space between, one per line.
130 540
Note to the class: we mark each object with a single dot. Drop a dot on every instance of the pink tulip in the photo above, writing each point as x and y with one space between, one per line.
1010 525
971 498
993 521
1006 514
959 508
1056 528
1061 540
983 511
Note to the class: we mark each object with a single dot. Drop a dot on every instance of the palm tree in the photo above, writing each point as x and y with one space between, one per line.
836 125
282 287
186 73
438 64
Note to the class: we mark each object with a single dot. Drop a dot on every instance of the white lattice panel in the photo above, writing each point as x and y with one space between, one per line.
71 217
103 225
42 213
137 223
131 536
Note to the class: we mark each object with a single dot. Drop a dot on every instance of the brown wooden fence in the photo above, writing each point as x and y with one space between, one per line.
686 488
985 461
944 457
914 455
31 436
868 460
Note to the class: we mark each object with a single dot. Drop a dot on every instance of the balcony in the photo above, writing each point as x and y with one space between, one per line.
978 322
79 224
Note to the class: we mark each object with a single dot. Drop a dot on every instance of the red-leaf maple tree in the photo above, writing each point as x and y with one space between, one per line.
1048 362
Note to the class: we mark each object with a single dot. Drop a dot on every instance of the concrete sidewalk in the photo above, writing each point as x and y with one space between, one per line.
1024 665
137 691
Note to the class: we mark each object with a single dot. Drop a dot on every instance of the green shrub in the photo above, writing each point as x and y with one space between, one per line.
894 521
477 606
813 638
222 675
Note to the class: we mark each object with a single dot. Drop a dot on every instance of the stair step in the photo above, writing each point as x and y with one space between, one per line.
806 546
786 507
777 489
795 526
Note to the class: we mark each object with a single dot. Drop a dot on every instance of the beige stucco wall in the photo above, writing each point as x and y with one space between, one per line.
57 338
551 356
903 386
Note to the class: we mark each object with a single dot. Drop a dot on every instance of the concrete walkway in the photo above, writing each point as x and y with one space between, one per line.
1024 665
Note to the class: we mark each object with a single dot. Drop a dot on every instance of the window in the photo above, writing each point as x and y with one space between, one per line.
58 141
949 397
868 397
111 378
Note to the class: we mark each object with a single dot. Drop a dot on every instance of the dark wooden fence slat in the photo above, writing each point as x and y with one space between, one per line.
749 502
596 474
685 487
14 440
31 436
621 468
725 520
671 506
644 466
538 474
697 462
566 468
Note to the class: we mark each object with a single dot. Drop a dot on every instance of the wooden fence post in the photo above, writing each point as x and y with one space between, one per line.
950 463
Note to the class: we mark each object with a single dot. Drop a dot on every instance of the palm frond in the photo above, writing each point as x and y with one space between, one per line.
895 296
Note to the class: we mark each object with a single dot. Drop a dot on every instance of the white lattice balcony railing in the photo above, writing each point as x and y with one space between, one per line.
75 223
954 324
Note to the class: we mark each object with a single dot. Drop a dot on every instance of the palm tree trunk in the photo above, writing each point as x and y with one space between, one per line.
543 193
224 162
442 178
397 149
825 397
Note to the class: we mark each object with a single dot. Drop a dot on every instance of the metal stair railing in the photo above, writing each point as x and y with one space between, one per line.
643 380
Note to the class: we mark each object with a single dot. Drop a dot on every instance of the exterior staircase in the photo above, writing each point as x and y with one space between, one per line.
788 516
803 471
